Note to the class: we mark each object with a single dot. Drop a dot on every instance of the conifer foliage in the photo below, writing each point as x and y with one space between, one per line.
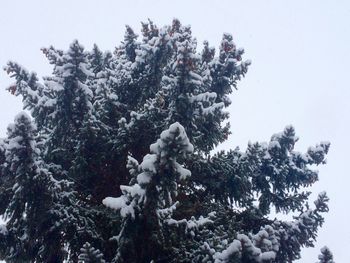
326 256
90 255
116 162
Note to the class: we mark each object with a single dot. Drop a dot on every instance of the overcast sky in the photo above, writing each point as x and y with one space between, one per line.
299 73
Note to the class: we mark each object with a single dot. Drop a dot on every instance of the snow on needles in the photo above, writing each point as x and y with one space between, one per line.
172 143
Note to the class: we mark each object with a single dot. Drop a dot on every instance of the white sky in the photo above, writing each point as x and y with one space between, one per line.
300 54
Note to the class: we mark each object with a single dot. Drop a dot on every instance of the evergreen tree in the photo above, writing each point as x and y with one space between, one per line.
326 256
119 154
29 191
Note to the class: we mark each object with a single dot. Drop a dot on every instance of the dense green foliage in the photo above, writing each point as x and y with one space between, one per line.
117 164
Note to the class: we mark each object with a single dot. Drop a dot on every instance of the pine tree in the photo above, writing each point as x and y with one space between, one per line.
326 256
29 192
117 164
